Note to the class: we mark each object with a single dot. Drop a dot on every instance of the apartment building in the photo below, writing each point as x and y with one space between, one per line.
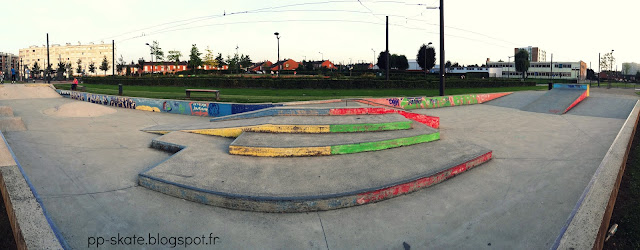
68 53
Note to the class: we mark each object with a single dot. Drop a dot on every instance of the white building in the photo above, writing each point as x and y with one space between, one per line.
561 70
89 53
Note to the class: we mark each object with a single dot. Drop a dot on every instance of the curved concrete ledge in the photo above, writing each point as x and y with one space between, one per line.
306 203
430 121
32 228
588 223
339 149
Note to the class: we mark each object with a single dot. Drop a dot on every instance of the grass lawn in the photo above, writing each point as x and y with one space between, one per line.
280 95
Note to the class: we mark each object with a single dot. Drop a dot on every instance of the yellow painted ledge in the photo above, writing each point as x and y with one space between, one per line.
267 128
279 152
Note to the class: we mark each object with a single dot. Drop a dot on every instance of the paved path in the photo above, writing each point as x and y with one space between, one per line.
86 171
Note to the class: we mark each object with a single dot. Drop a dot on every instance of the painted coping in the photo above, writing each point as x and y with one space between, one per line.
433 102
584 95
302 203
430 121
307 129
31 224
332 150
588 222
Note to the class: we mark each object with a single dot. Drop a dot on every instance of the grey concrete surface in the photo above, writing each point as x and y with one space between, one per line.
554 101
212 168
86 168
252 139
583 228
282 120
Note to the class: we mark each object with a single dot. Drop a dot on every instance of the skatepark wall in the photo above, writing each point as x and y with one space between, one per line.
587 225
31 225
195 108
434 102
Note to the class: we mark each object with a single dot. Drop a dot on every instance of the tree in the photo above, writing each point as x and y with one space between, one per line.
401 62
233 61
638 76
607 61
382 60
105 65
591 75
92 67
174 56
301 66
209 59
140 66
194 58
156 51
127 72
60 71
69 68
35 70
626 68
79 68
245 61
120 65
447 64
220 60
426 54
522 62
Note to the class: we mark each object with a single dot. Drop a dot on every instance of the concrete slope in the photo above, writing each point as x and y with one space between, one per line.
27 91
203 171
559 100
283 145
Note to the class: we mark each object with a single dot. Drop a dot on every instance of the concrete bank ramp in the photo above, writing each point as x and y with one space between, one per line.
559 100
27 91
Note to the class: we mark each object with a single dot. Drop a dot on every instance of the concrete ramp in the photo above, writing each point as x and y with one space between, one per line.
560 99
27 91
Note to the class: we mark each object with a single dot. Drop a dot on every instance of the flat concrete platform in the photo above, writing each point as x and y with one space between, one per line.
86 172
283 120
318 140
554 101
212 168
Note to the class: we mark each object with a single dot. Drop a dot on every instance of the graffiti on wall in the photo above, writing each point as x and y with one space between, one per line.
212 109
435 102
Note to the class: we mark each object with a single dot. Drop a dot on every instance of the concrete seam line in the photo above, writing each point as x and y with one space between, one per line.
594 178
52 225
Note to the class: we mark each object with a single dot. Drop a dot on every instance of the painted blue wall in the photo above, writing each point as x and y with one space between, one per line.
213 109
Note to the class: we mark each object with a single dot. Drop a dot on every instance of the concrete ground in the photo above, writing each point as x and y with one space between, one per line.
86 170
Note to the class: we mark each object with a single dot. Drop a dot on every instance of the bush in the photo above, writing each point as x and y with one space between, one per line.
306 83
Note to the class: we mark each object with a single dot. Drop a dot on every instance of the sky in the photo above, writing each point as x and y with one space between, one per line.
343 31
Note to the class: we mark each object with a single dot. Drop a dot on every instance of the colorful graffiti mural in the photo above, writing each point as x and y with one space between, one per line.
211 109
434 102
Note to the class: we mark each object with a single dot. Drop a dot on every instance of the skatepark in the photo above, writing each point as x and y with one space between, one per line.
516 170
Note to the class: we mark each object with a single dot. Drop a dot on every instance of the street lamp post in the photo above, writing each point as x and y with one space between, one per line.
322 56
374 58
278 37
509 67
610 69
425 59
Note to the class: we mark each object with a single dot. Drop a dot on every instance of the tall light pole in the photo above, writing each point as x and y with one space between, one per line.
442 70
425 59
278 37
599 70
374 58
322 56
151 53
509 66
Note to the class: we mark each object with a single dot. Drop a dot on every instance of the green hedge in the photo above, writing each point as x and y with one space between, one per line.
305 83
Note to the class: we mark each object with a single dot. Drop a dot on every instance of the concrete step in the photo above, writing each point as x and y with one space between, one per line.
291 124
203 171
284 145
